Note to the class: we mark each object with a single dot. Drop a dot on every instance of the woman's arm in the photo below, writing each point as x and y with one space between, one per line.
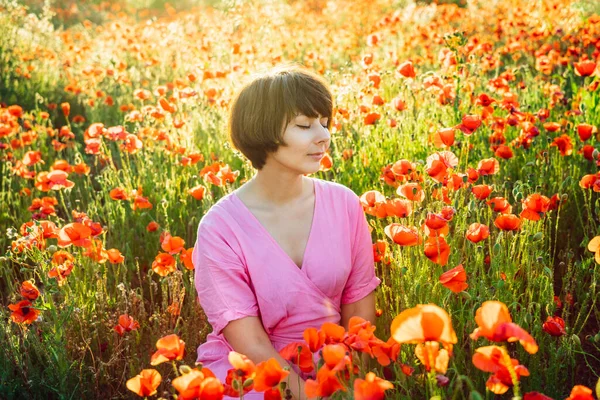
248 337
364 308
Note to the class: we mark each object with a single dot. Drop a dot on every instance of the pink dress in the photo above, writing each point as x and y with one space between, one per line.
242 271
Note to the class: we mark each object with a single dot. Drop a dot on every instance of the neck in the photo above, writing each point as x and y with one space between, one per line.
279 187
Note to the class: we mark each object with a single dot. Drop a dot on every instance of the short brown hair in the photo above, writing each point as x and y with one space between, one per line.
262 109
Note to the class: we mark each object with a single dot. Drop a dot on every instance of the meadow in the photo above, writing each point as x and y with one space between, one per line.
469 130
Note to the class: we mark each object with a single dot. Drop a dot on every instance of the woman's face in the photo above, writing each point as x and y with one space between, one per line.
307 140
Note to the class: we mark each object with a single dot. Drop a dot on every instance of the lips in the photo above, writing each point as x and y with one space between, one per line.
316 154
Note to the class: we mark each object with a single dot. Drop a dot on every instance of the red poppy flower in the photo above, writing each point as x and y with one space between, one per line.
555 326
29 290
455 279
496 360
585 68
585 131
508 222
477 232
564 144
23 312
407 70
126 324
481 192
437 250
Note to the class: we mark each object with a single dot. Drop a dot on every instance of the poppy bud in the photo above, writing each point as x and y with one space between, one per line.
576 340
442 380
184 369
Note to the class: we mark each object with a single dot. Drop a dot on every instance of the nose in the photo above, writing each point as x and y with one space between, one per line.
323 136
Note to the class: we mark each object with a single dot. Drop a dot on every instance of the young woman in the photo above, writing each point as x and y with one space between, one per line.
284 252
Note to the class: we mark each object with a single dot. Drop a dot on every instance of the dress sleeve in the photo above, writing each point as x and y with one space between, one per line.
222 282
362 280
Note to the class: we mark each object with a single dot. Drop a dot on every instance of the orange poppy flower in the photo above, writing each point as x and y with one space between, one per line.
379 250
336 356
534 207
334 333
198 385
564 145
152 226
488 166
371 388
411 191
407 70
495 359
438 164
23 312
591 181
314 339
29 291
395 208
115 256
243 366
146 383
118 193
585 68
53 180
432 357
437 250
455 279
580 392
325 385
423 323
172 244
495 324
268 375
594 246
552 126
386 352
164 264
299 354
477 232
371 200
402 235
60 272
444 137
170 348
126 324
139 201
500 204
197 192
399 104
508 222
76 234
186 258
32 157
326 162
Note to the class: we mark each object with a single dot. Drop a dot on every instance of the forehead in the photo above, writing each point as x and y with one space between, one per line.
301 115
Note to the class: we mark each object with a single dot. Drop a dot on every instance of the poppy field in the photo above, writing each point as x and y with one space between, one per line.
470 131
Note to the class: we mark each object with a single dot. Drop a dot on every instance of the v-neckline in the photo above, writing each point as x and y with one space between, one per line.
266 232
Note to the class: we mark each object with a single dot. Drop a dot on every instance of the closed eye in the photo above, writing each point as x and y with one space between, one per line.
303 127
